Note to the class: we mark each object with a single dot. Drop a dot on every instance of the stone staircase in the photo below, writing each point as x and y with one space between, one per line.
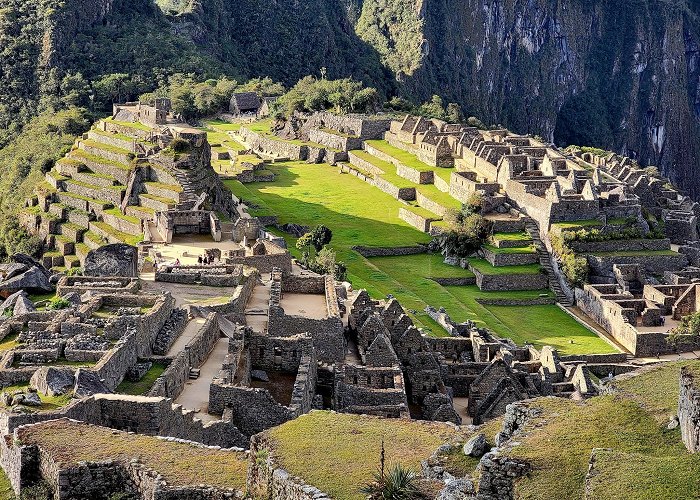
194 373
545 261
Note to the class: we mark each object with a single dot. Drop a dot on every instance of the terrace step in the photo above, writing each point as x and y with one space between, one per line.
546 262
194 373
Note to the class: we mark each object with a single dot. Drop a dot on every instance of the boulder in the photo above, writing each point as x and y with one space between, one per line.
28 261
31 399
73 298
34 280
10 301
117 259
457 489
476 446
88 383
260 375
51 381
23 306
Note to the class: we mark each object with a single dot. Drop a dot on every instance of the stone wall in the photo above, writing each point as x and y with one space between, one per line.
273 147
334 141
655 264
492 282
509 259
327 334
171 383
620 245
689 409
388 251
267 480
418 221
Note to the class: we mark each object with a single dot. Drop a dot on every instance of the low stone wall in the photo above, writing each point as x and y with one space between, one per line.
509 259
414 175
418 221
620 245
273 147
388 251
429 204
541 301
267 480
494 282
364 165
689 409
470 280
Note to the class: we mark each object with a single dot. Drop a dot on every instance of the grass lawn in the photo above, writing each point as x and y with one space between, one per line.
648 460
6 491
549 325
180 464
360 214
484 267
142 386
511 250
406 158
350 444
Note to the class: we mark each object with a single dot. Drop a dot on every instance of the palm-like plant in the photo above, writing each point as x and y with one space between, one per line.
398 483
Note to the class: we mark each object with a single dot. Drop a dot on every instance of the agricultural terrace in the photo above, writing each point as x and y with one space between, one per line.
359 214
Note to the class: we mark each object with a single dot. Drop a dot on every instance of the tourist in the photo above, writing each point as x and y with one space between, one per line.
199 260
177 261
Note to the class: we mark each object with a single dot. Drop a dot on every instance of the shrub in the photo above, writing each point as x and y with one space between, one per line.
58 303
180 146
397 484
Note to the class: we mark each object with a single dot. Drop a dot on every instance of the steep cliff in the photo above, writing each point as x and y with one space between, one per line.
622 75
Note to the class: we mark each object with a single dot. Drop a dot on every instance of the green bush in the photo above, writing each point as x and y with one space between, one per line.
58 303
398 483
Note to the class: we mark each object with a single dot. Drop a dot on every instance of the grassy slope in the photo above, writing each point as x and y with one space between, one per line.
143 385
359 214
179 463
648 461
351 443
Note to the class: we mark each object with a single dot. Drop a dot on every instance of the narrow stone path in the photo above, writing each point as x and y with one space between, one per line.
545 261
195 395
190 331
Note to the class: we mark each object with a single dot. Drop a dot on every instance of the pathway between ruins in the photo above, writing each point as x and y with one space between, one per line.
195 395
257 308
188 333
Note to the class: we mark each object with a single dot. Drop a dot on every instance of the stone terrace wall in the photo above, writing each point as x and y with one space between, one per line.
334 141
266 145
388 251
620 245
689 409
489 282
171 383
267 480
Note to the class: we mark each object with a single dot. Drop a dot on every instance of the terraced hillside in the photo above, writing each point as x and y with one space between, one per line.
107 189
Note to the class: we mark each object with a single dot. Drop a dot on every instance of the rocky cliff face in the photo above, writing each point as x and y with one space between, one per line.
621 75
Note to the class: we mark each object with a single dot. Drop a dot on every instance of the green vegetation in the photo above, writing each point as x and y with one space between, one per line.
484 267
48 403
180 464
406 158
352 444
342 96
646 461
142 386
319 194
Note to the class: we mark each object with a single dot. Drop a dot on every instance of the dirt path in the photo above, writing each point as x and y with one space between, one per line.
195 395
190 331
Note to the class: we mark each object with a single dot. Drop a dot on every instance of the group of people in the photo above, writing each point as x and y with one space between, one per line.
206 260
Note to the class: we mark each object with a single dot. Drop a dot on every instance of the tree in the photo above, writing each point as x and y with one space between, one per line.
75 91
454 113
320 237
433 108
466 230
688 327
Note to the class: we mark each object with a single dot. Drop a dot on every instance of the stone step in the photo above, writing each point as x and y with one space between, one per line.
194 373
